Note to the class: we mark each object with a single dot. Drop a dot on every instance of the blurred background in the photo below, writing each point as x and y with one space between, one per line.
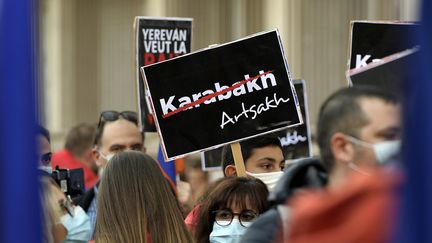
87 47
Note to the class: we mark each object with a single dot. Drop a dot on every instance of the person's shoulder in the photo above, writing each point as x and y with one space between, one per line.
85 199
264 228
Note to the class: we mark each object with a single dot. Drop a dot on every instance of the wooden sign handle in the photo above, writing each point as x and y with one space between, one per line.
238 159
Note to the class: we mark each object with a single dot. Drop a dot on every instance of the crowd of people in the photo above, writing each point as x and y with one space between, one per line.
347 194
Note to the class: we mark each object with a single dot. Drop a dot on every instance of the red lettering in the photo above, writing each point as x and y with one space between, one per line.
149 58
161 57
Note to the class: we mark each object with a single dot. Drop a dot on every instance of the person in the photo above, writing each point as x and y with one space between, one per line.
231 206
197 178
51 212
358 128
77 153
116 132
136 203
304 174
358 134
63 221
263 158
43 141
346 119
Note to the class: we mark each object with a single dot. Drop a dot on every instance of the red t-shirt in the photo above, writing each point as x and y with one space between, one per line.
65 160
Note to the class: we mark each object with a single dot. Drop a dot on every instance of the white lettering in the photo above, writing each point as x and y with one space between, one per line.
225 96
251 85
208 92
292 139
239 91
167 106
230 120
265 77
361 62
252 110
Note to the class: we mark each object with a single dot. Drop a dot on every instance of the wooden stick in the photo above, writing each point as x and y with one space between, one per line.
238 159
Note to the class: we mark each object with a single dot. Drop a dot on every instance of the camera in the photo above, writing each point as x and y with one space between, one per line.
70 181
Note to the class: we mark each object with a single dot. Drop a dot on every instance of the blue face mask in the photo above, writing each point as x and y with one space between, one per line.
228 234
78 226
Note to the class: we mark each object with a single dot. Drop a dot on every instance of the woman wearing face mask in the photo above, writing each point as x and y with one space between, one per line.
63 222
232 205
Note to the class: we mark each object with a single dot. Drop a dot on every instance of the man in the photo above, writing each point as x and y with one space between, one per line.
77 153
263 158
358 129
116 132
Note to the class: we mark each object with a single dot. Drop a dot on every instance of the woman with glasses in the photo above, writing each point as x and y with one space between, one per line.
230 207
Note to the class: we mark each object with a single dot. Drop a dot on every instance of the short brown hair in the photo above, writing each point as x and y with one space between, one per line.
80 138
239 191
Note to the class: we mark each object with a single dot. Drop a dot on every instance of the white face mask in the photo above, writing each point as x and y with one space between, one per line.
106 157
78 226
384 151
47 168
269 178
228 234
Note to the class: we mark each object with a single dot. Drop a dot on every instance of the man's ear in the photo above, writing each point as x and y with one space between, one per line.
230 170
96 157
342 149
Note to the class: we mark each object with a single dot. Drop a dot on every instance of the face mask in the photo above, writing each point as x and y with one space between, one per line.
47 168
78 226
228 234
269 178
106 157
384 151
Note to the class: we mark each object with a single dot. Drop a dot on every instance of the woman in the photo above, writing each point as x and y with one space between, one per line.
232 205
136 203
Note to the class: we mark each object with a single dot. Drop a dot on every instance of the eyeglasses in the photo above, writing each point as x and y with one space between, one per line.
115 115
46 158
224 217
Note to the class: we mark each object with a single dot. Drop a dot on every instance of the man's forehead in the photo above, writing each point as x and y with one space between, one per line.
380 114
120 131
270 151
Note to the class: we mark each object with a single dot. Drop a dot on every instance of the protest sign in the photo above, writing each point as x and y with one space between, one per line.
157 39
296 141
222 95
371 41
393 73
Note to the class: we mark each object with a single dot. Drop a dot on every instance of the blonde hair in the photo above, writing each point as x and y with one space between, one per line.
51 210
136 203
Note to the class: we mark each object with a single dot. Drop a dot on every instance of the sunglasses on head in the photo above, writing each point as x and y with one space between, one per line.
115 115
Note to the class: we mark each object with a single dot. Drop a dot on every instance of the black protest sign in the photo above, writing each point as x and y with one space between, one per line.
296 141
222 95
158 39
393 73
371 41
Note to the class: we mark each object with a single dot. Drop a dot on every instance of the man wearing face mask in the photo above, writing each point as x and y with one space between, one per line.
358 130
116 132
263 158
358 135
